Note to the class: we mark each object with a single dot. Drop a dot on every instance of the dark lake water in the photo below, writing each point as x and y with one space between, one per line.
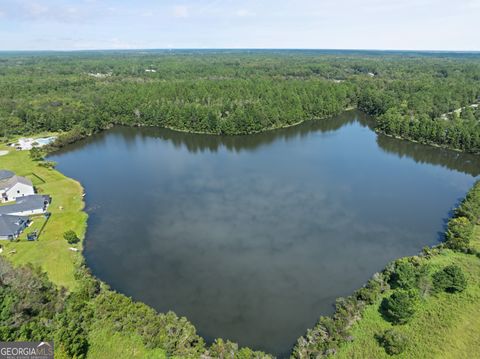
253 237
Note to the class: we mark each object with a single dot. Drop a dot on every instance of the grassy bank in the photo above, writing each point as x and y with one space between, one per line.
444 326
51 252
436 315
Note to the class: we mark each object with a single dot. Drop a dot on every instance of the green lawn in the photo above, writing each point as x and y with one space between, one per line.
106 343
36 224
51 251
445 326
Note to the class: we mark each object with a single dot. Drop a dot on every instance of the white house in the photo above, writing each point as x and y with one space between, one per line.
13 187
27 206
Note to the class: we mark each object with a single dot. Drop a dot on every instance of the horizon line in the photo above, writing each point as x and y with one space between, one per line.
242 49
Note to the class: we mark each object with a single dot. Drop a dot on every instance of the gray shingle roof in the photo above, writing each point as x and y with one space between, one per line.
27 203
11 225
5 174
12 181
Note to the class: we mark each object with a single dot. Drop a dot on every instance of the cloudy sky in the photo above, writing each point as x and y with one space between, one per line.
121 24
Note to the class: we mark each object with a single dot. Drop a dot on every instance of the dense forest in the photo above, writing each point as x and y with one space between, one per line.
416 97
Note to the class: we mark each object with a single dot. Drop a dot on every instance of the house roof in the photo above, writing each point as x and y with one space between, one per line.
5 174
27 203
10 225
7 183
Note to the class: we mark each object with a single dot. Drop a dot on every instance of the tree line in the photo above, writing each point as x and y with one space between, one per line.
239 92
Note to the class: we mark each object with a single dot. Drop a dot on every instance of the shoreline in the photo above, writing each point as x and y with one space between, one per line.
68 138
266 129
431 144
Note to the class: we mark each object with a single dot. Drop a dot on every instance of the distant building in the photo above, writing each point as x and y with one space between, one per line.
29 143
27 206
13 187
12 226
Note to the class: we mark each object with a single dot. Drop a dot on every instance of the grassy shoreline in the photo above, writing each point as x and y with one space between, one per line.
444 325
51 252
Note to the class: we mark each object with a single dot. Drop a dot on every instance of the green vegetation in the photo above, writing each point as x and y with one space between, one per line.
37 225
50 252
36 154
393 341
208 93
240 92
456 133
424 306
450 279
71 237
399 308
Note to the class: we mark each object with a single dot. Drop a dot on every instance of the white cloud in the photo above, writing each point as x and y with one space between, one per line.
60 11
35 9
244 13
435 24
147 13
116 43
181 11
473 4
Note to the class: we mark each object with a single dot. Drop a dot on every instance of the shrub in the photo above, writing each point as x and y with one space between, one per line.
404 275
74 135
221 349
167 331
36 154
88 286
400 306
347 312
47 164
73 325
227 350
451 279
71 237
470 206
373 289
366 295
459 232
393 341
29 303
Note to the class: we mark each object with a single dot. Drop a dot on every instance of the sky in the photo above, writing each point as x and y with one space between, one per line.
305 24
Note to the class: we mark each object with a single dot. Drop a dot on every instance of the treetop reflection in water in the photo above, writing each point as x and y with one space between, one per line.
253 237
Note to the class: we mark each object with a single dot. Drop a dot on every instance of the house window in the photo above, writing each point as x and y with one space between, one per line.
18 191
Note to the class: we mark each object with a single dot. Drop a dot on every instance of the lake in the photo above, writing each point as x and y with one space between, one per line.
253 237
